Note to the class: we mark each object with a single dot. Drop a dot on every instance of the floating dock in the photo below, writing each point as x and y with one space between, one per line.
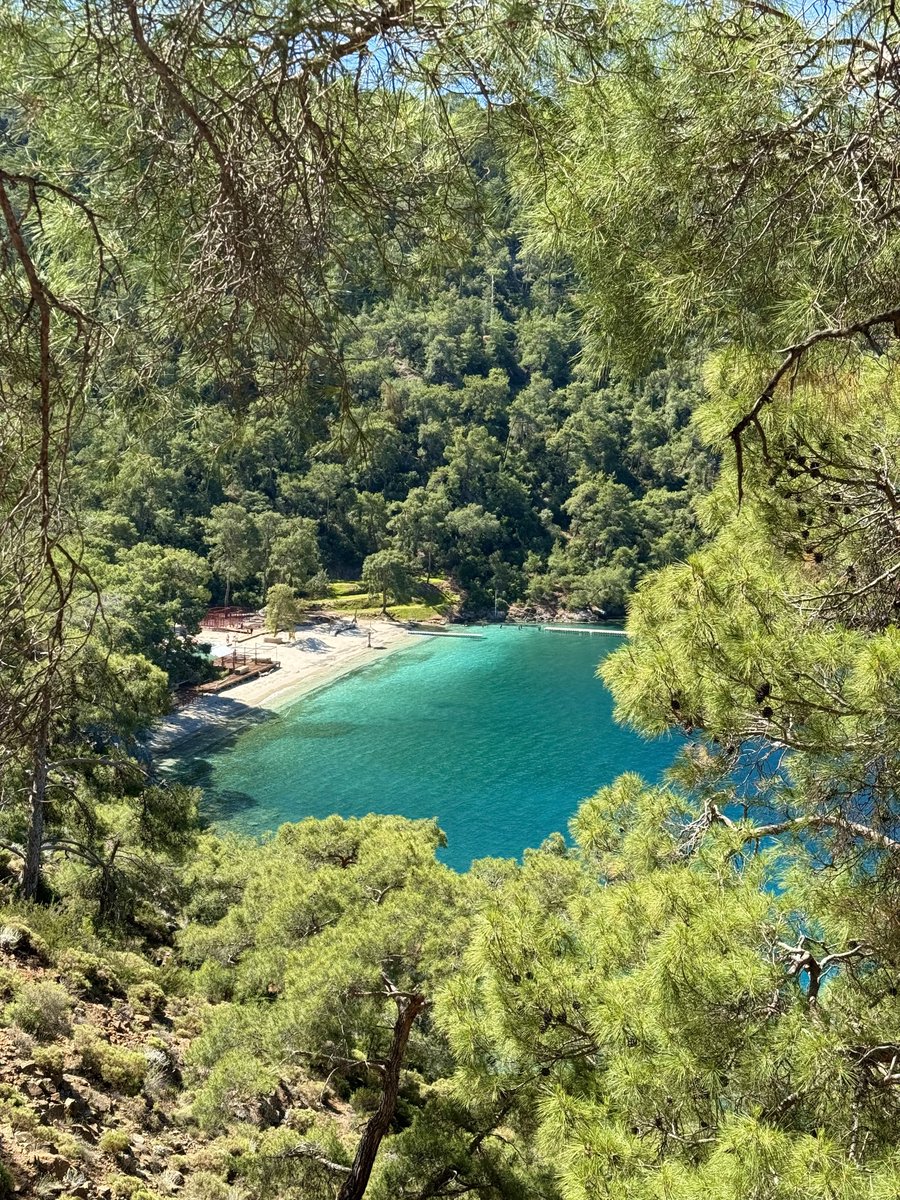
576 629
479 637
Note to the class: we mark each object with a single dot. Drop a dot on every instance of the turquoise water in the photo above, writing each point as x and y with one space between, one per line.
497 739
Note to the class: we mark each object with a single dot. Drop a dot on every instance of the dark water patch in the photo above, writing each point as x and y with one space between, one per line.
221 805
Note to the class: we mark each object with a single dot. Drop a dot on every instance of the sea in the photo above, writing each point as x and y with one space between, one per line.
498 737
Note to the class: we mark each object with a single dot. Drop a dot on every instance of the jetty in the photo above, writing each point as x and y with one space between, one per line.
576 629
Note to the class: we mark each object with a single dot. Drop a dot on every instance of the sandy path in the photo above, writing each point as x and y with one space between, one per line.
314 659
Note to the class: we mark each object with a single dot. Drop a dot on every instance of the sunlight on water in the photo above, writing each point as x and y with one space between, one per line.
498 739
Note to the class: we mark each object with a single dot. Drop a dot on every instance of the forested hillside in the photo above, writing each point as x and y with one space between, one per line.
262 312
473 443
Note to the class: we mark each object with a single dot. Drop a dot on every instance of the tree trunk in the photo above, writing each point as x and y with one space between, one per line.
227 592
37 798
107 882
357 1181
42 301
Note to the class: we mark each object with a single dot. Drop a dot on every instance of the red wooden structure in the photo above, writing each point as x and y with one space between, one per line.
233 618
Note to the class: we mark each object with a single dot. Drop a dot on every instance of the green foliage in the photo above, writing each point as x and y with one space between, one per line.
126 1187
387 574
150 591
294 557
20 938
51 1060
10 981
634 995
432 598
85 971
16 1110
117 1066
696 1001
284 1164
475 428
325 969
282 609
204 1185
445 1145
704 122
114 1141
147 996
124 865
41 1008
234 544
237 1088
129 968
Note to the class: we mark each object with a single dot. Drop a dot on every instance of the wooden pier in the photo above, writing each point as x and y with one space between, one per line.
239 667
575 629
451 633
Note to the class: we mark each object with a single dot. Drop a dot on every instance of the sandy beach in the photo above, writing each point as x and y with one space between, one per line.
314 658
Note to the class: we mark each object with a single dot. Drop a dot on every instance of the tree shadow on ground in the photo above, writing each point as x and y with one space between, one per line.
183 736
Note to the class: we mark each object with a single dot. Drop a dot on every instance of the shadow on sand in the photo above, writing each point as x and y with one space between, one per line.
183 736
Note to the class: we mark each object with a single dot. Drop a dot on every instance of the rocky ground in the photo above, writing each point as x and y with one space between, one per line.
86 1097
92 1103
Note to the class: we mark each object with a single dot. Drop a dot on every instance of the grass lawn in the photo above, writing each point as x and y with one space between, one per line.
346 587
432 598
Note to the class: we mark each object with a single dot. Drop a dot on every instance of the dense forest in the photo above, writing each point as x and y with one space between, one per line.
472 445
576 306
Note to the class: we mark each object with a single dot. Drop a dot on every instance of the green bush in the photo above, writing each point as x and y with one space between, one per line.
236 1087
19 938
121 1068
173 979
72 1147
50 928
270 1169
122 1187
7 1183
10 982
217 1157
365 1100
86 972
42 1009
147 997
50 1059
130 968
214 981
16 1110
114 1141
203 1185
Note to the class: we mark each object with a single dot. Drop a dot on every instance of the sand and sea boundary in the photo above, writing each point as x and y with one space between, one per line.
314 657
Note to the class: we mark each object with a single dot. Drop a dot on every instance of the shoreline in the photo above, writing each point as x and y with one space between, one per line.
314 659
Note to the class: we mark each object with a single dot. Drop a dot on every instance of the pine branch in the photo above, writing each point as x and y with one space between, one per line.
792 357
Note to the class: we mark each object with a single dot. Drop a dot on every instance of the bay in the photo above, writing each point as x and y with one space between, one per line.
498 739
